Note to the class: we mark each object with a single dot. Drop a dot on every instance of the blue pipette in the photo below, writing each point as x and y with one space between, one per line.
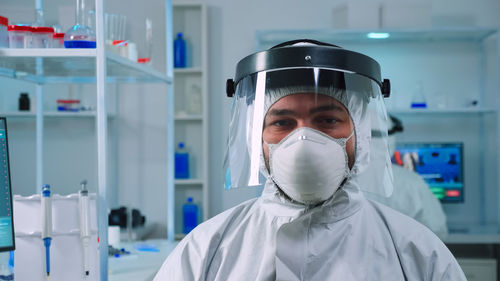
46 224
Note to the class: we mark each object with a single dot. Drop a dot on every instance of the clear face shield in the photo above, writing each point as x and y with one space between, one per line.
337 106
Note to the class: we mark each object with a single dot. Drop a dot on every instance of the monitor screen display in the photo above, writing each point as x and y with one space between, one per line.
439 164
6 219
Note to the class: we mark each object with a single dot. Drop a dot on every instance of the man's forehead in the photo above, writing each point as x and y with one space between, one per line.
307 101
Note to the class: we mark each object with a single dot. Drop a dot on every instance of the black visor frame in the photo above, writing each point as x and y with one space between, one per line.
309 56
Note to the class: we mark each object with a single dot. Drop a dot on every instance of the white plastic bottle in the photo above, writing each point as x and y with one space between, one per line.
7 265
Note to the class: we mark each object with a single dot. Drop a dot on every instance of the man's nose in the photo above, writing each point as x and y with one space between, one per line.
304 123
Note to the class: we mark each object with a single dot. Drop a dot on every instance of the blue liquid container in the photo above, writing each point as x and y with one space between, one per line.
418 99
80 36
190 215
418 105
181 162
80 44
179 51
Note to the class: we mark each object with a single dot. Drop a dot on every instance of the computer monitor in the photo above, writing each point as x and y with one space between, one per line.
439 164
6 218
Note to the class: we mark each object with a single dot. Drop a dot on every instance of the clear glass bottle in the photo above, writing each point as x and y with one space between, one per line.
193 100
418 98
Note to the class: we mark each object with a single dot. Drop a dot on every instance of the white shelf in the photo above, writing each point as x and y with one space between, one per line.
6 52
190 127
188 70
442 111
18 114
269 38
188 182
61 114
188 118
73 66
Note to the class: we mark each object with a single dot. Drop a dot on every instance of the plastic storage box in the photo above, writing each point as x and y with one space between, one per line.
68 105
41 37
4 35
19 36
58 40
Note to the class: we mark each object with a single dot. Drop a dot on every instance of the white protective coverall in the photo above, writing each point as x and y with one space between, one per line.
412 197
346 237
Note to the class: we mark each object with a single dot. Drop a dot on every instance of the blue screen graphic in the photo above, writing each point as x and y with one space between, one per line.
441 166
6 222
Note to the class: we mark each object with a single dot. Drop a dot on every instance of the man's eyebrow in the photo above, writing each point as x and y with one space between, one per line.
330 107
281 112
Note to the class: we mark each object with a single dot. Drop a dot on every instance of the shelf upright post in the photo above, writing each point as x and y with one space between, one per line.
39 127
102 133
39 117
482 140
497 113
170 122
204 64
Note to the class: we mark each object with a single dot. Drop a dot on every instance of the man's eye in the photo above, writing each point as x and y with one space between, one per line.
281 123
328 120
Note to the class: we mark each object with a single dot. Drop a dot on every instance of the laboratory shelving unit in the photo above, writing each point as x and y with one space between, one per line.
455 63
98 67
191 108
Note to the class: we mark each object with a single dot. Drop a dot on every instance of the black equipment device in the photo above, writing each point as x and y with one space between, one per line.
120 217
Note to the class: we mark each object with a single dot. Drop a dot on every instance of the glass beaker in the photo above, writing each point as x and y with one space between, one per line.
80 35
418 99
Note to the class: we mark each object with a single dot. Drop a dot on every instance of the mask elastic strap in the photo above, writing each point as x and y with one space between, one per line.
345 140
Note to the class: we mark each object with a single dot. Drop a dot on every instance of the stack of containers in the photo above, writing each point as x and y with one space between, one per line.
4 35
23 36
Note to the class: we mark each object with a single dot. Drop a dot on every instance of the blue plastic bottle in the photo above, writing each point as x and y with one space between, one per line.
181 162
179 51
190 215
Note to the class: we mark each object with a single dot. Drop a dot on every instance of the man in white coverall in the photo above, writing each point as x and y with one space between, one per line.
301 125
411 196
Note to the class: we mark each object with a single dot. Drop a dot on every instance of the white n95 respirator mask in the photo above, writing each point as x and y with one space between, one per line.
308 165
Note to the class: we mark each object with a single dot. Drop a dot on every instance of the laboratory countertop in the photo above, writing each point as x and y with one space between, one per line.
144 260
473 234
